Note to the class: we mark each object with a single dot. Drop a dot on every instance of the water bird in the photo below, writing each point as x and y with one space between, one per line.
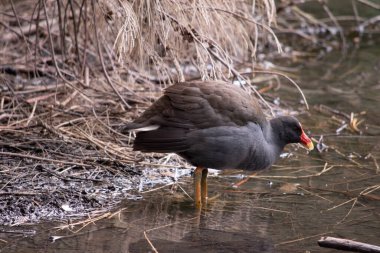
214 124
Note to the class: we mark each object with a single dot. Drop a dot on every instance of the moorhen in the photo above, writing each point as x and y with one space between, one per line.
214 124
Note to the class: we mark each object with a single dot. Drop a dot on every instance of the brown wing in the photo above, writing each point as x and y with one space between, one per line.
202 104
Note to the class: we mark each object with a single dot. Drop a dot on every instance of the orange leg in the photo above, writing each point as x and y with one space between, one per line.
204 187
200 187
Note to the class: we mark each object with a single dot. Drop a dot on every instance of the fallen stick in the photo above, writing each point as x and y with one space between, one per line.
347 245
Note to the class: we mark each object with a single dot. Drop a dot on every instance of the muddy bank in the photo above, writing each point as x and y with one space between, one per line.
43 178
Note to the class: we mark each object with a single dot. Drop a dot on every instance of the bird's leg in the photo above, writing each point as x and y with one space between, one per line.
204 187
197 186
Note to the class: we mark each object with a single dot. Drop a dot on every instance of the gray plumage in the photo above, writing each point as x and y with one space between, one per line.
213 124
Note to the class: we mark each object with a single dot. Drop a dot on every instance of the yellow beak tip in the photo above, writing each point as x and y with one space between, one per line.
310 146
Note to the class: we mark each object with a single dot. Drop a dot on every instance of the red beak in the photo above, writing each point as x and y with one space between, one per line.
306 141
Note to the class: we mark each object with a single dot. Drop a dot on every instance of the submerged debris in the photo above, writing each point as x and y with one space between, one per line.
321 146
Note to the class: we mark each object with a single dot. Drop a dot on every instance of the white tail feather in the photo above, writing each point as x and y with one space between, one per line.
147 128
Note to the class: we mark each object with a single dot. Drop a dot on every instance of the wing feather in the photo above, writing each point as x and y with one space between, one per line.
191 106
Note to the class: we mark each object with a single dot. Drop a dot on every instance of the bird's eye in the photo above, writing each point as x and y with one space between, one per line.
297 129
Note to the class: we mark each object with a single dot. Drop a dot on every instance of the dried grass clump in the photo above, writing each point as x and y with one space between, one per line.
167 36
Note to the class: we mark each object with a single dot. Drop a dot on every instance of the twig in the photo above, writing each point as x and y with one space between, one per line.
43 159
102 60
324 170
370 4
347 245
32 114
163 226
150 243
289 79
301 239
74 178
85 222
340 29
158 188
341 204
21 193
59 71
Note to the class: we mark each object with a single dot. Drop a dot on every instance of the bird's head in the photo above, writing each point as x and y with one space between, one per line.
289 130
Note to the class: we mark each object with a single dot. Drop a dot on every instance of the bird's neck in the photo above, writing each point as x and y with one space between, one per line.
273 136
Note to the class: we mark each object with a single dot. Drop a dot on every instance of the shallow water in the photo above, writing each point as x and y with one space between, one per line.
286 209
